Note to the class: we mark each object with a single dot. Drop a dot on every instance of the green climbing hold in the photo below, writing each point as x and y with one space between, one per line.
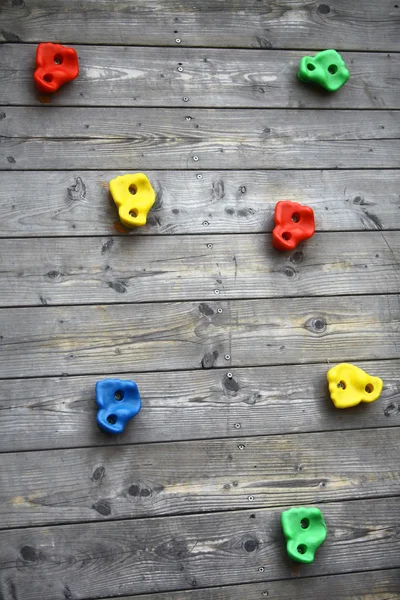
304 530
327 69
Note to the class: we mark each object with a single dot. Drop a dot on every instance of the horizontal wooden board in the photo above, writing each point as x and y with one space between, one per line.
143 76
119 482
107 270
168 336
59 203
374 585
48 413
340 24
122 138
170 553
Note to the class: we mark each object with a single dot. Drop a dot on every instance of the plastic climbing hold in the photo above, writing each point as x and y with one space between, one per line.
304 530
134 197
55 65
349 385
327 69
293 224
118 401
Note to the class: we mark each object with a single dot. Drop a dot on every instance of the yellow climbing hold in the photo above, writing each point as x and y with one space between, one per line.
350 385
134 197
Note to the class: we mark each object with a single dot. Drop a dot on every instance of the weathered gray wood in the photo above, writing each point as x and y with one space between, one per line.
151 555
359 24
63 203
374 585
61 412
64 486
108 270
123 138
121 76
168 336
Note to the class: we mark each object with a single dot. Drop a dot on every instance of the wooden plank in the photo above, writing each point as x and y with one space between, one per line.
61 412
170 553
360 24
120 482
106 138
51 270
186 335
375 585
142 76
50 413
78 203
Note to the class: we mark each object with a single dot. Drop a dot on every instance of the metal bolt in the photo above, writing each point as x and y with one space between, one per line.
180 69
205 223
185 99
219 310
250 498
195 158
199 176
237 425
216 291
229 376
209 246
227 356
261 569
178 41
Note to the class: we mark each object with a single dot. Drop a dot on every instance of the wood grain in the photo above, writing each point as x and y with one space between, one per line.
51 271
142 76
375 585
59 203
149 480
49 413
117 138
168 336
360 24
170 553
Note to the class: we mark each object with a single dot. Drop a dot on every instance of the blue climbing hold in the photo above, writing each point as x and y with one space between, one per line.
118 401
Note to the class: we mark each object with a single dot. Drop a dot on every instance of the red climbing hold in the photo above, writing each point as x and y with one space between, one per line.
293 224
55 65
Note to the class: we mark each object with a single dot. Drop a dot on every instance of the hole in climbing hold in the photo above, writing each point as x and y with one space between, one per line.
119 394
133 189
112 419
332 69
305 523
310 67
58 59
295 217
369 388
286 236
342 385
301 548
133 213
48 77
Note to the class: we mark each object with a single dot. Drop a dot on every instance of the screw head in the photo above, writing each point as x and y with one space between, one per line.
185 99
209 246
195 158
206 223
180 69
199 176
219 310
178 41
250 498
229 376
216 291
261 569
241 446
237 425
188 118
227 356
